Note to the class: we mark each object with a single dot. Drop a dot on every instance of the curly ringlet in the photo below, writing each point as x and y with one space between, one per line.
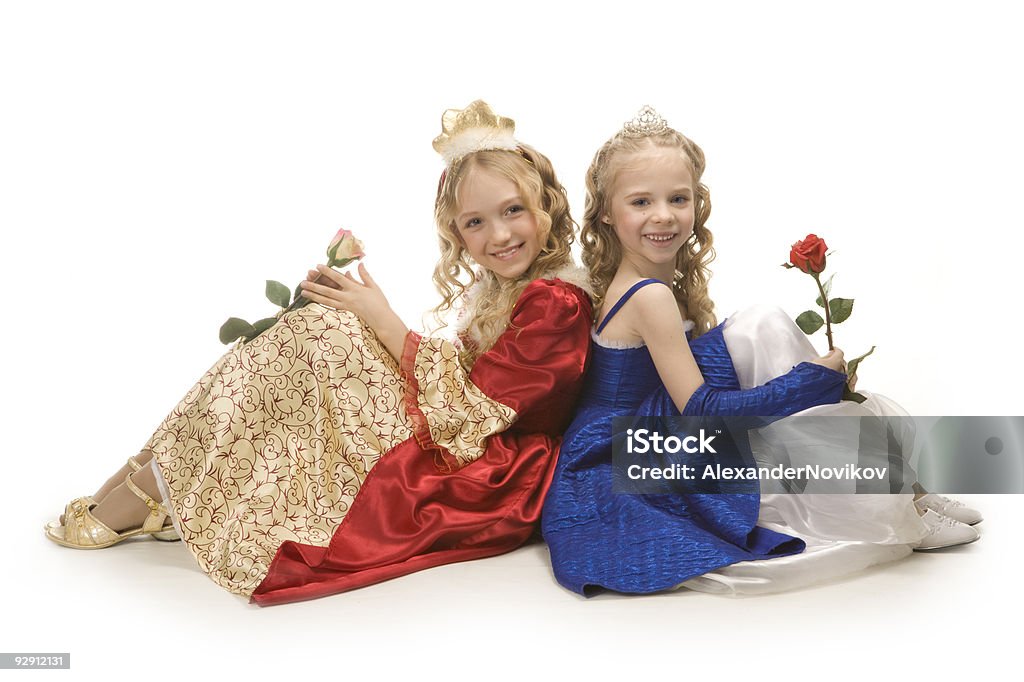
543 196
602 251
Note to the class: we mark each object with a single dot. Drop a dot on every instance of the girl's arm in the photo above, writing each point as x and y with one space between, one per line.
806 385
653 314
658 322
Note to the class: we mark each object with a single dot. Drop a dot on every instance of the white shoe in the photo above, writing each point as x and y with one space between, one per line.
947 507
944 532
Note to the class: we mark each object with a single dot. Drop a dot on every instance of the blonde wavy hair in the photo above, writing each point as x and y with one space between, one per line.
545 199
602 252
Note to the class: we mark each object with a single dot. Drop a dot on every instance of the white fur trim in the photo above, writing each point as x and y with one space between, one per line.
475 140
688 326
575 275
611 343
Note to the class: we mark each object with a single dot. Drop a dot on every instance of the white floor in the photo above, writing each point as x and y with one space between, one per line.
143 608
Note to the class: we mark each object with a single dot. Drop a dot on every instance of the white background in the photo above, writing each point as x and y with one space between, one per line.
159 161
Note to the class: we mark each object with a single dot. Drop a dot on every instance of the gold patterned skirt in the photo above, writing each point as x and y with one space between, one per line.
275 441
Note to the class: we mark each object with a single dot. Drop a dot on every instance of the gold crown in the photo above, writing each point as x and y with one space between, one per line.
646 122
473 129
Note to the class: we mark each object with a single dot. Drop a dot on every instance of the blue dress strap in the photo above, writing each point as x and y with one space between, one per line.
625 297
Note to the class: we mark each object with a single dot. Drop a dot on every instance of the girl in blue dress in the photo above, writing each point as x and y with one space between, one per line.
658 350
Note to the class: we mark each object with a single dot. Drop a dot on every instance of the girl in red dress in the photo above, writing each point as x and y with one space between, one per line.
338 448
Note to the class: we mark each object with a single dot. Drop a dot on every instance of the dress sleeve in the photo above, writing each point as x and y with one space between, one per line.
537 362
804 386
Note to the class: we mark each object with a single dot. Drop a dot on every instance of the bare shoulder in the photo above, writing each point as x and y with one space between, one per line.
656 313
655 299
643 298
653 303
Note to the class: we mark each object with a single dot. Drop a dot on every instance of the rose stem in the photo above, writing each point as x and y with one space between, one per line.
828 315
301 300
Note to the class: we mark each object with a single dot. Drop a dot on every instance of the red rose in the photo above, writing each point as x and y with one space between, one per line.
809 254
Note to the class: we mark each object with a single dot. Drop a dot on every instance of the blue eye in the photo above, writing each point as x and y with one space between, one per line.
640 202
472 222
680 199
514 209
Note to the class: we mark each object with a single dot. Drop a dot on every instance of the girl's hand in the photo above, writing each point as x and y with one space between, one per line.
344 292
364 298
314 276
833 360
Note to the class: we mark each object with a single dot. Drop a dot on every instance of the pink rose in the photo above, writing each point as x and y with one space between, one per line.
344 249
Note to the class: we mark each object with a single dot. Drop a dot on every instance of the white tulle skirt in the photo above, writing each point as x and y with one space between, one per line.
845 533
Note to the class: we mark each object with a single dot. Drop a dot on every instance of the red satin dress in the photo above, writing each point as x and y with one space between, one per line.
309 462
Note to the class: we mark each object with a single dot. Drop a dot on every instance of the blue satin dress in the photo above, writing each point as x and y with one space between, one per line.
600 539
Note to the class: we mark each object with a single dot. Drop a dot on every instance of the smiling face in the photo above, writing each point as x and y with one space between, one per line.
495 225
650 207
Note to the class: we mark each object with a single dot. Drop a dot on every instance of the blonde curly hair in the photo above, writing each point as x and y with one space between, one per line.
602 251
544 197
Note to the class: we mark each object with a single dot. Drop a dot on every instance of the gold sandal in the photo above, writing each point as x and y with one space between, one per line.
82 530
133 464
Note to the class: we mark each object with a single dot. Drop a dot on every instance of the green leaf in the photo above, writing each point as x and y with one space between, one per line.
233 329
852 395
851 366
840 308
277 293
260 326
297 293
809 322
827 286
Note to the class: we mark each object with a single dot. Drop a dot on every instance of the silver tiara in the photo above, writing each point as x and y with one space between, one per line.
647 122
